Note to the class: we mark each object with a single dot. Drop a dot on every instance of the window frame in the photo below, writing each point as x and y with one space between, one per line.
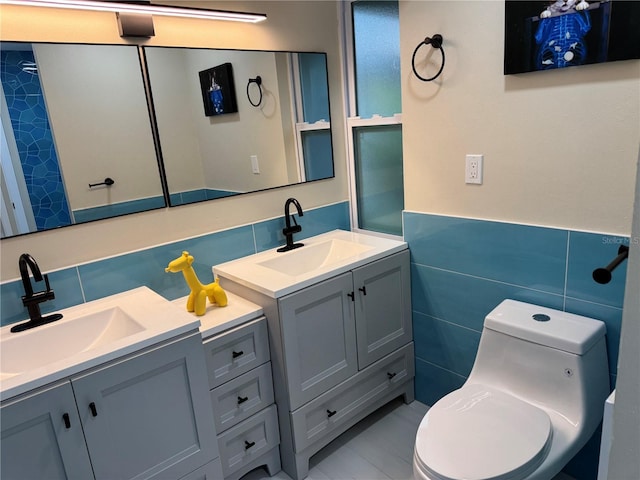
353 121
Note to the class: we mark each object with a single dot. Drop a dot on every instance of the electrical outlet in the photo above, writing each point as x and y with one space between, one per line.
473 169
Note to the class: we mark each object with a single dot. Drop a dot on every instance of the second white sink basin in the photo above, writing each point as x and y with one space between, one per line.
315 256
87 335
276 273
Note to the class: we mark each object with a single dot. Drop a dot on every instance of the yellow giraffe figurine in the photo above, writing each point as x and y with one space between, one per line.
197 301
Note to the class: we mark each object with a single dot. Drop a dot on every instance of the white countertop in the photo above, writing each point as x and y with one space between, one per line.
218 319
251 271
159 320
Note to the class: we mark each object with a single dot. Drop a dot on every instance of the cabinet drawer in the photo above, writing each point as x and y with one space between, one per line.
236 351
210 471
248 440
337 406
241 397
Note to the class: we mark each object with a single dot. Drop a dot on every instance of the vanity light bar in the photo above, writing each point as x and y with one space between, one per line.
147 9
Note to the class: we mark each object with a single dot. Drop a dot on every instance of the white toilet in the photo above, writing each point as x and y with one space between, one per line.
534 397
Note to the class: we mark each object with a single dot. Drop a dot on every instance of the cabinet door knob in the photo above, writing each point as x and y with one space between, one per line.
248 445
94 410
363 289
242 400
391 375
235 354
331 413
67 421
352 296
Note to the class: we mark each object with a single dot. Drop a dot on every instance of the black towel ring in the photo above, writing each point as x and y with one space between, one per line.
257 81
435 42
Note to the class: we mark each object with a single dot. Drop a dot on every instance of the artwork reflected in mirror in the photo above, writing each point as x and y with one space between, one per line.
283 141
218 90
546 35
72 116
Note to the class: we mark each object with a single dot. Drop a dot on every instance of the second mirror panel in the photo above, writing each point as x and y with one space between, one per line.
215 142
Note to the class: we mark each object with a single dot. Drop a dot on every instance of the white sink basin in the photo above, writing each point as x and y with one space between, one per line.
315 256
67 339
276 273
87 335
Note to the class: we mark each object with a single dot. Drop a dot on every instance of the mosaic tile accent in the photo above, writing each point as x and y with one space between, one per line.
34 140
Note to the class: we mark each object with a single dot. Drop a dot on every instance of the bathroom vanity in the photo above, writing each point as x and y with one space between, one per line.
339 318
116 389
236 347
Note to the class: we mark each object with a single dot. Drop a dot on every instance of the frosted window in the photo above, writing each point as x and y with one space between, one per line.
315 90
376 33
318 156
380 192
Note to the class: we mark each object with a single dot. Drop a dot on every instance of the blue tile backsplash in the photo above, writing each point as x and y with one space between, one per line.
105 277
462 268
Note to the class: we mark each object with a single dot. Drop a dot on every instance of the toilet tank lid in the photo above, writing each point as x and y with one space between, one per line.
546 326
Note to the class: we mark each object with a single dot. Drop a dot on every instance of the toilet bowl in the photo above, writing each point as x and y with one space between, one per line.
534 397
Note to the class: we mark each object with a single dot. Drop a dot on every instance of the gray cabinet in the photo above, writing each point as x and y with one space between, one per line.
42 437
383 302
340 349
318 329
242 399
147 416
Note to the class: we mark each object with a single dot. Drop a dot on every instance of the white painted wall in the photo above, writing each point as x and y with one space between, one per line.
176 123
560 146
291 26
88 98
624 459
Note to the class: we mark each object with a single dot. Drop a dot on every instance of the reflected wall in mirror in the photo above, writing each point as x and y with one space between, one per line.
285 140
73 115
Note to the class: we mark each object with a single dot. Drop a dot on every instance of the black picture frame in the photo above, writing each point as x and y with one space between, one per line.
218 90
607 31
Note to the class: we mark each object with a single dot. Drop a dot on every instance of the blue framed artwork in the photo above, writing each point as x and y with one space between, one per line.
556 34
218 90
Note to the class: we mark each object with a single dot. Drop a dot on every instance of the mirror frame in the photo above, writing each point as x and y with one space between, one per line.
155 132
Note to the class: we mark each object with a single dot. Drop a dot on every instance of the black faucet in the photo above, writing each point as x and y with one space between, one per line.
289 230
33 300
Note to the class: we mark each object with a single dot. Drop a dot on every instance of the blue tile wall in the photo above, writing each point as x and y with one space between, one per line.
34 139
117 209
462 268
101 278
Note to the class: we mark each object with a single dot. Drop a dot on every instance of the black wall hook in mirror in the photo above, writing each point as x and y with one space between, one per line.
258 82
603 275
435 42
107 181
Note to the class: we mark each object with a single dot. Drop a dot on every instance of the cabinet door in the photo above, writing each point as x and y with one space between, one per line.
42 437
383 307
318 331
149 416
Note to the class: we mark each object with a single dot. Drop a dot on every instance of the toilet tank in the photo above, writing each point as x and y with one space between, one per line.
551 358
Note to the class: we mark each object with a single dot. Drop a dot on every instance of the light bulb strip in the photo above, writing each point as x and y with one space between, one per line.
142 9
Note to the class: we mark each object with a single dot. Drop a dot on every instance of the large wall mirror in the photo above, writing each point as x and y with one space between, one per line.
75 115
72 116
270 133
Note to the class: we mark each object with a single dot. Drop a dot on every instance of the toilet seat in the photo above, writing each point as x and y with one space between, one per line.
481 433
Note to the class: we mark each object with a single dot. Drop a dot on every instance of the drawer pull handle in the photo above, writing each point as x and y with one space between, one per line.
94 411
67 421
248 445
242 400
363 289
391 375
351 296
331 413
235 354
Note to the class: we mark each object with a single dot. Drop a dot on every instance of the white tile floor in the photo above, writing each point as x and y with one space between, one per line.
378 448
